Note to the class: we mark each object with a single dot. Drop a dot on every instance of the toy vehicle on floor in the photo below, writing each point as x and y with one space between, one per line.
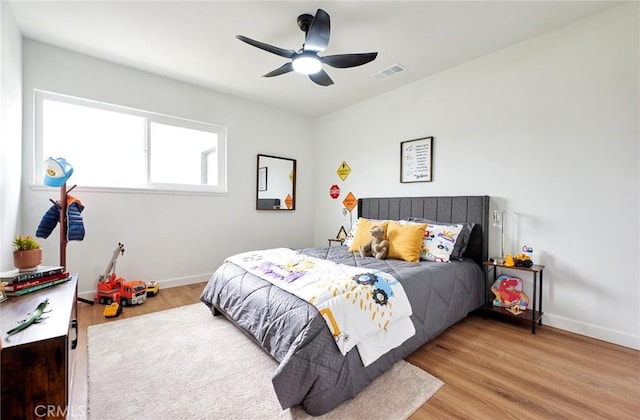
152 288
112 288
112 310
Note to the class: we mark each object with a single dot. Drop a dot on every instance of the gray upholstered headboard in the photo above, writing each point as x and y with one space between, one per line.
474 209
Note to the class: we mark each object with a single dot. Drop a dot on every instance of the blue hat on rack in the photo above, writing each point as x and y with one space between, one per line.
57 172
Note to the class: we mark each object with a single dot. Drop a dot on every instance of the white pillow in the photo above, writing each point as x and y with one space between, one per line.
352 234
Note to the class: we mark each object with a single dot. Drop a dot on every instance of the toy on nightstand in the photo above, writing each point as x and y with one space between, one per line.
523 260
508 261
509 294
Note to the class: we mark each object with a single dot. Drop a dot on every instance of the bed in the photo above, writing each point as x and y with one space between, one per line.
312 372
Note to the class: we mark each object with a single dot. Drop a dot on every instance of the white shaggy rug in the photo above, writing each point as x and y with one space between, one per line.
183 363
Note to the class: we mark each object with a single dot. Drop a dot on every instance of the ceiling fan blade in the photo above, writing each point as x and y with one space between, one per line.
285 68
321 78
318 34
343 61
270 48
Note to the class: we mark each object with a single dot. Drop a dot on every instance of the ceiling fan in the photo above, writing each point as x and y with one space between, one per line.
306 59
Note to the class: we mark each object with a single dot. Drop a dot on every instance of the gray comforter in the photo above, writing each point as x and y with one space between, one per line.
312 371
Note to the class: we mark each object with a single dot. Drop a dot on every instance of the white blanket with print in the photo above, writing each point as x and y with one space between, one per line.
364 308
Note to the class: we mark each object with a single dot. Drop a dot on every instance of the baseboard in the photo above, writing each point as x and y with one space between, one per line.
593 331
162 284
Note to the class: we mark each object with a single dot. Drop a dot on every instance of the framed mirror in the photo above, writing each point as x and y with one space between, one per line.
275 183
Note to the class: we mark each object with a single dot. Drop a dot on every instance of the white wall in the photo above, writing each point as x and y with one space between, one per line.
10 131
549 129
172 239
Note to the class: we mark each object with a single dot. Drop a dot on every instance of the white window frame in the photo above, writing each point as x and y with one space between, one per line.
38 167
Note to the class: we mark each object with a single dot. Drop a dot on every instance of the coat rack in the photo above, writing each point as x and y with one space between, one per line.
64 194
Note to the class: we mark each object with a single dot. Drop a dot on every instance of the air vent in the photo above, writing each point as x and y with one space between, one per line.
389 71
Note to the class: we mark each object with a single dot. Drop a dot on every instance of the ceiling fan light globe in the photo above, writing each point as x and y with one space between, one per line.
307 64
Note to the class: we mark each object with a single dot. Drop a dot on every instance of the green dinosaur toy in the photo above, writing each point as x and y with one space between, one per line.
34 318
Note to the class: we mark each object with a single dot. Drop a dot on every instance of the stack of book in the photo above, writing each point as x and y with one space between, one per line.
22 283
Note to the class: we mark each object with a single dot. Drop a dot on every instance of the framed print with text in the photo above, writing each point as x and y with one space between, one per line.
416 160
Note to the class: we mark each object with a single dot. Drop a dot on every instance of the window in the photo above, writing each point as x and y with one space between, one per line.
118 147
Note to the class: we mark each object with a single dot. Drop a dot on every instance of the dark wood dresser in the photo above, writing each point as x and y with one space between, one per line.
37 363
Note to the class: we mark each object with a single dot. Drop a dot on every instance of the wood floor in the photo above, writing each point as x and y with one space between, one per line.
491 368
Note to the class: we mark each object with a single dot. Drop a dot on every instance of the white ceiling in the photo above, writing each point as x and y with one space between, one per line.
195 41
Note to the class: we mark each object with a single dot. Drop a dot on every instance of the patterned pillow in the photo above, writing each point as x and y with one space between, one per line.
463 237
439 241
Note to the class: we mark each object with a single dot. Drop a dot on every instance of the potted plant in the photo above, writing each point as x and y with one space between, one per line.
27 254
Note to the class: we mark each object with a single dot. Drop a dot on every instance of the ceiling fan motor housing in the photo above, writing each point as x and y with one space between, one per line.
304 21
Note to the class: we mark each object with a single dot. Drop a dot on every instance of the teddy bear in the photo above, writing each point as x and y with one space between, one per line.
377 245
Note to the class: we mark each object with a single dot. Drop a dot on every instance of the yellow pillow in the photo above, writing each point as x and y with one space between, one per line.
363 234
405 241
